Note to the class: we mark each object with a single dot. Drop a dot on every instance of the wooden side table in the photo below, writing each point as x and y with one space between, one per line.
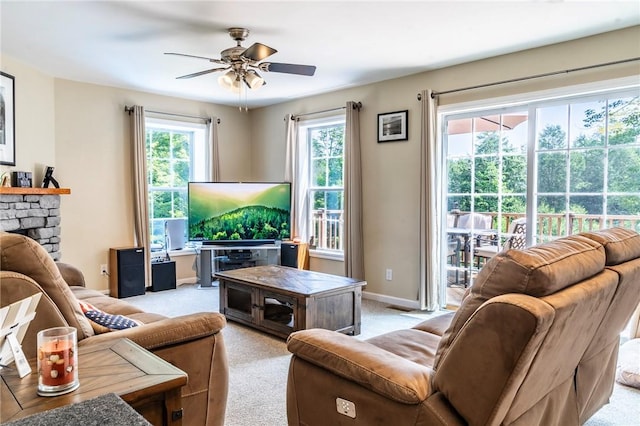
145 381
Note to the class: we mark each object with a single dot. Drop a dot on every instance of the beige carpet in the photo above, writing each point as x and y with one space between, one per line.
258 362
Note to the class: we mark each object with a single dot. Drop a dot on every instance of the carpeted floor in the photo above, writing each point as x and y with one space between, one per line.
258 362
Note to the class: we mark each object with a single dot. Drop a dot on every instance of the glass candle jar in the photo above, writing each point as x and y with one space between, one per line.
57 361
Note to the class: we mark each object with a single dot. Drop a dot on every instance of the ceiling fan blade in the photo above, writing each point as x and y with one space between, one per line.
215 61
196 74
288 68
258 51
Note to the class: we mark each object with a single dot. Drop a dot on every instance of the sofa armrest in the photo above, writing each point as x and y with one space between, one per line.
370 366
169 331
72 275
437 325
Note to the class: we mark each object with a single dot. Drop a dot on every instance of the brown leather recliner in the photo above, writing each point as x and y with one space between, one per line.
535 341
193 343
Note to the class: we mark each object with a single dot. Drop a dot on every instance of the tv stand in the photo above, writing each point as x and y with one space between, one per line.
214 258
238 243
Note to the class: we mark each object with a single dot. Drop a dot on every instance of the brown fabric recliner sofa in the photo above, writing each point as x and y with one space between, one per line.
193 343
534 342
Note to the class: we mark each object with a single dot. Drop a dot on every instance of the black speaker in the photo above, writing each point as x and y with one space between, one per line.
289 254
163 275
126 276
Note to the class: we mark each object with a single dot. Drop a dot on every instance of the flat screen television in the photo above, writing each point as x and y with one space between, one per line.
239 213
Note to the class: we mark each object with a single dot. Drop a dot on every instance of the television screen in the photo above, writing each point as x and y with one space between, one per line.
239 212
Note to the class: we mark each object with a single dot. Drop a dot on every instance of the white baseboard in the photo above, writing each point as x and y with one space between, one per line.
395 301
190 280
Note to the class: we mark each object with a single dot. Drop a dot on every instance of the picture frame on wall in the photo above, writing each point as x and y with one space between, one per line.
7 120
393 126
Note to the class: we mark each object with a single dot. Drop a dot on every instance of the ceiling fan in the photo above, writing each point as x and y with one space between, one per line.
241 64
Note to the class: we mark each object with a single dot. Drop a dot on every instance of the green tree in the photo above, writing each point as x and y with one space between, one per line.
327 150
498 167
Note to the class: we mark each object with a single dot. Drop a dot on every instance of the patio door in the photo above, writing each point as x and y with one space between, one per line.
486 163
560 167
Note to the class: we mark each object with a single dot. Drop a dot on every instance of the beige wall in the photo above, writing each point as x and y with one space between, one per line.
184 268
93 158
391 170
83 131
34 115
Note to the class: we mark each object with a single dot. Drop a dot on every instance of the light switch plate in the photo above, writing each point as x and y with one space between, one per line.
346 408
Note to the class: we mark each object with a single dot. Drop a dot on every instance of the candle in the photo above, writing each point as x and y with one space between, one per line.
57 366
57 361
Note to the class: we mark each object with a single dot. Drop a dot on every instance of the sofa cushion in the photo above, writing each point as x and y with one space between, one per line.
536 271
620 244
24 255
114 306
103 302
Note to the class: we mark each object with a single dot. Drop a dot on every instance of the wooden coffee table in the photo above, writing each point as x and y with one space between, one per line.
280 300
145 381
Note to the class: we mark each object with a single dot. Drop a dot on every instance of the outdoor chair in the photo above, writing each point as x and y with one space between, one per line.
453 256
516 240
470 226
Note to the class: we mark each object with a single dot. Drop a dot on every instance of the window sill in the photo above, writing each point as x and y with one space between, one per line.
187 251
184 252
328 255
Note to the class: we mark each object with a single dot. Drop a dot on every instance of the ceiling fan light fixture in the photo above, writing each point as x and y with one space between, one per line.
253 80
238 60
236 85
226 80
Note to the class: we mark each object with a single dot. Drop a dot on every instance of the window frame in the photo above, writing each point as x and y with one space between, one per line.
304 130
565 96
199 164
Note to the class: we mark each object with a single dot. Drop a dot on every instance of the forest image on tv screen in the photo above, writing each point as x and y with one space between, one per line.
239 211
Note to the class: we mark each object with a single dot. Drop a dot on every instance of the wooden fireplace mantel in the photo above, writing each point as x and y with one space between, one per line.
34 191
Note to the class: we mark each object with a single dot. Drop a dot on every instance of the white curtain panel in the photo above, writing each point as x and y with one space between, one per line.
140 188
297 172
431 298
353 239
214 159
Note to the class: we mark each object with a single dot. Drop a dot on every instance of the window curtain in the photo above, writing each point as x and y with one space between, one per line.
353 240
430 205
140 187
214 159
297 172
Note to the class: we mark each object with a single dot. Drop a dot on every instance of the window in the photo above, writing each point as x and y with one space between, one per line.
325 142
561 166
176 154
587 153
487 164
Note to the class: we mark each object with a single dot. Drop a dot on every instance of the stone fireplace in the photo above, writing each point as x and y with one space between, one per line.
34 212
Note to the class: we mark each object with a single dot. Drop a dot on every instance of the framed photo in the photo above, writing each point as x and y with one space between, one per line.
392 126
7 120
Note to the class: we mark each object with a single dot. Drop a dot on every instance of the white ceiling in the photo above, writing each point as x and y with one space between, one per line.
352 43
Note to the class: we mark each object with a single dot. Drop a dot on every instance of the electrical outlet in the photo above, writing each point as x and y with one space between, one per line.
388 274
104 270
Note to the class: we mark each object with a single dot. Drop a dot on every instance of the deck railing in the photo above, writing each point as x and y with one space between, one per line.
327 229
550 226
328 225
